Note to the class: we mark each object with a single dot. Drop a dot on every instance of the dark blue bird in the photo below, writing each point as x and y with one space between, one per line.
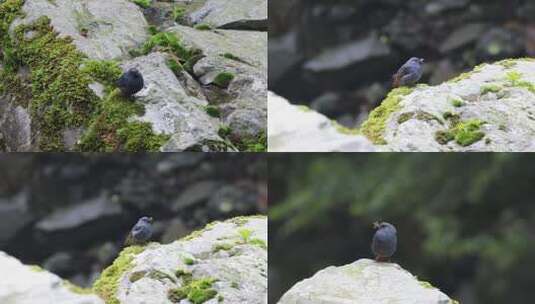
130 83
385 241
141 232
409 73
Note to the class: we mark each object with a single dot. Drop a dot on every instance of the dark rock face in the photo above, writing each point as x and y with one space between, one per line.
347 47
72 213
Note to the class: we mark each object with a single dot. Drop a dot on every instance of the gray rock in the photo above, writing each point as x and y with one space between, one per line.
113 27
490 94
465 34
15 215
76 215
246 124
170 109
15 125
299 129
242 53
219 252
174 230
345 55
236 14
194 194
365 282
30 285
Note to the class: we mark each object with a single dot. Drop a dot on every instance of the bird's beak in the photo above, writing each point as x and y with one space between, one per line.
422 60
151 220
376 225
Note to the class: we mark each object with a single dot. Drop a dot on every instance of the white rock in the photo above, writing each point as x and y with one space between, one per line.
240 270
297 129
113 26
364 282
22 284
509 114
246 14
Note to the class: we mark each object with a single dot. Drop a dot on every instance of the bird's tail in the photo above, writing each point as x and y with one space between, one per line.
395 80
129 240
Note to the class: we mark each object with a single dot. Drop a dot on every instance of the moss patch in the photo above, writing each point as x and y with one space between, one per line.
491 88
203 27
419 115
223 79
143 3
375 125
77 289
106 285
196 291
465 133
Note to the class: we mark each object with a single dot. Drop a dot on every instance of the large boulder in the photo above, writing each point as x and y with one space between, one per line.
243 104
491 108
365 282
171 109
299 129
224 263
236 14
23 284
100 29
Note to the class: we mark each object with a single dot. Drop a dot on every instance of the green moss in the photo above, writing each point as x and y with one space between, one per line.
107 283
223 79
464 133
419 115
59 97
111 129
304 108
188 261
426 284
467 133
178 13
224 131
175 66
453 118
514 79
36 268
457 103
104 71
203 27
245 234
223 246
258 144
160 276
77 289
196 291
507 63
258 242
344 130
444 137
136 276
491 88
234 285
212 111
375 125
143 3
234 57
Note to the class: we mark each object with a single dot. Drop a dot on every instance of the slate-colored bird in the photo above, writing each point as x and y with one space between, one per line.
409 73
130 83
141 232
384 241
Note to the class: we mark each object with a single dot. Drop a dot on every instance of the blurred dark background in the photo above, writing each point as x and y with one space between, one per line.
466 222
338 56
70 213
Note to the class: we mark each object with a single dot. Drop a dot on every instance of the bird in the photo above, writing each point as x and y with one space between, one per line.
409 73
384 241
130 82
141 232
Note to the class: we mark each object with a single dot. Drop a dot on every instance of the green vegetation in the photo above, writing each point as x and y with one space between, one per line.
188 261
107 283
203 27
375 126
143 3
457 103
178 13
514 79
223 79
212 111
464 133
58 94
491 88
419 115
196 291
